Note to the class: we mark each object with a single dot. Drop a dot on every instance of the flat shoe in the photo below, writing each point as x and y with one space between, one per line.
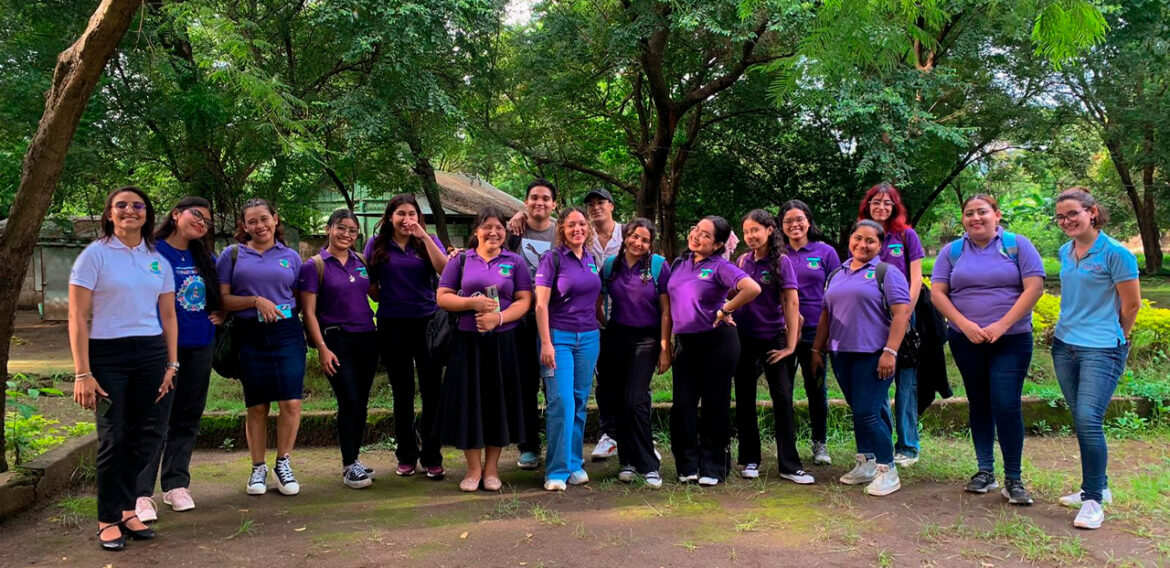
111 545
469 484
492 484
144 534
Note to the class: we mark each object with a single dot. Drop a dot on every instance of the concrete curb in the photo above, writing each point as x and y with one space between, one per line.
319 428
46 475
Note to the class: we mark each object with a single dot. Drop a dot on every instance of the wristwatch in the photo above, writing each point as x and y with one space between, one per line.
173 365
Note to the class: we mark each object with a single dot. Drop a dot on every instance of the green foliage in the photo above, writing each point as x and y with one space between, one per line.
29 436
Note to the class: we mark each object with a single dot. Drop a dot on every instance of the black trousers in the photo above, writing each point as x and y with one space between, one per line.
404 348
174 427
528 353
814 386
130 370
702 374
629 356
358 354
753 355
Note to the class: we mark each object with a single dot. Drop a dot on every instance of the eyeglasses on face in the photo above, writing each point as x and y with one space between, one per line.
1058 219
136 205
795 221
881 203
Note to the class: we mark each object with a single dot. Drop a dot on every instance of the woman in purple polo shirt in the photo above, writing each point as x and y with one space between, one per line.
258 280
986 284
769 328
813 259
404 262
340 324
708 351
568 283
635 341
867 309
902 249
480 404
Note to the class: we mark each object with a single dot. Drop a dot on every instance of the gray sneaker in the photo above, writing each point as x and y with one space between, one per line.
653 480
981 482
864 472
627 474
1074 499
885 482
1091 516
528 460
1016 493
821 454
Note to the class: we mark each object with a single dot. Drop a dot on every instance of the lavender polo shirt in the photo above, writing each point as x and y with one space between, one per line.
900 249
575 288
812 262
272 275
763 317
341 298
857 321
506 271
633 297
126 283
985 283
697 291
405 281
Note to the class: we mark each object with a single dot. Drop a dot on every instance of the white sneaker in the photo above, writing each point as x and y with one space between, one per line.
605 448
258 482
708 481
179 499
750 471
799 477
146 510
284 474
688 478
821 454
1074 499
903 460
886 481
554 485
653 480
1091 516
578 478
627 474
864 472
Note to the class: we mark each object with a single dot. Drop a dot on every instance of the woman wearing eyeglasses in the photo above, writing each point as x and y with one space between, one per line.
1099 301
126 358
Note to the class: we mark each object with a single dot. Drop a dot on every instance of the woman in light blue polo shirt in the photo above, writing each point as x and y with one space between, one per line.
1099 301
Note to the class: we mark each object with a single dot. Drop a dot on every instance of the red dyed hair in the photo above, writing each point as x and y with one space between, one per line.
897 221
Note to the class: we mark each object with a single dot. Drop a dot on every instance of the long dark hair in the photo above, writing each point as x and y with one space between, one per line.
627 230
242 235
147 224
722 233
775 240
202 249
488 212
385 230
814 232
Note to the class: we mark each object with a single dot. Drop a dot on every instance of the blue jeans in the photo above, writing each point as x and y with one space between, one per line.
867 396
567 391
1088 376
993 375
906 409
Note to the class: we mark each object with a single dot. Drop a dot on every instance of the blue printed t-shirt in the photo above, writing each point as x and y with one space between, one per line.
812 262
272 275
985 282
1090 307
342 297
858 322
575 287
506 271
405 280
698 290
900 249
763 317
195 329
633 296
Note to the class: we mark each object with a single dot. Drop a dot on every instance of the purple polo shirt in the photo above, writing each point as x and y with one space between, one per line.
857 321
341 298
633 297
812 263
697 291
507 271
900 249
575 288
271 275
763 317
985 283
405 281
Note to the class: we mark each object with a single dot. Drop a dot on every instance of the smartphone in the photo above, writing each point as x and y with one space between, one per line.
103 405
493 293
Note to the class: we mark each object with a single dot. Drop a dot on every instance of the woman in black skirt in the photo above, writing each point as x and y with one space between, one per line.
480 402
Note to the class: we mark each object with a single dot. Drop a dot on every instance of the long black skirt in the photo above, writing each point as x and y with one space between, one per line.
480 401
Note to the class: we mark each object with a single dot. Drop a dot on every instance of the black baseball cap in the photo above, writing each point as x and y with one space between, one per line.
598 192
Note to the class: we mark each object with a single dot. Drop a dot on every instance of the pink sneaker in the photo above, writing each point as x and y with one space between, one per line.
146 510
179 499
405 470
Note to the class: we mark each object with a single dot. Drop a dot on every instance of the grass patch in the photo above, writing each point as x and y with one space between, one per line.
546 516
73 510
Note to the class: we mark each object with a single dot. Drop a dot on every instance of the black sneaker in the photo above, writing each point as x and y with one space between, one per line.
1015 492
355 476
284 474
981 482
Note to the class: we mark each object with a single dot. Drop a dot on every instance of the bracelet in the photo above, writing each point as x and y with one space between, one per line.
725 310
501 319
82 376
173 365
890 351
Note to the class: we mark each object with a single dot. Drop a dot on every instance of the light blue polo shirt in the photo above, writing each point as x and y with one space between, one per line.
1090 306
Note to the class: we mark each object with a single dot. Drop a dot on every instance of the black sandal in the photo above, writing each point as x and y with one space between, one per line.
144 534
111 545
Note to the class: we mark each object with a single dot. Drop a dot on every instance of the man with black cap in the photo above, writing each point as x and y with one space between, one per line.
607 240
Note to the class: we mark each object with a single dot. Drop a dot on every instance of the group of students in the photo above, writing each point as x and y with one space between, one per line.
552 304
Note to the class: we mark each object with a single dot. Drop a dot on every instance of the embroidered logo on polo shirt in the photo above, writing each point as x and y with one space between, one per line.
896 249
814 262
647 275
766 277
869 274
705 273
506 270
361 272
284 263
155 268
592 268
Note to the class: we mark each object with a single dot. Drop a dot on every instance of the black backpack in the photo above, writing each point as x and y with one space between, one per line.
911 344
226 358
442 327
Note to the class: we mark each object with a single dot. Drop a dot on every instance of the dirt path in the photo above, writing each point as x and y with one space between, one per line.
761 523
39 348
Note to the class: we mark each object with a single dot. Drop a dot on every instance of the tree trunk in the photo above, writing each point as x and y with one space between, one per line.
77 72
1143 206
426 176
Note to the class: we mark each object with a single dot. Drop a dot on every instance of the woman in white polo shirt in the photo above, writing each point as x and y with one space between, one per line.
126 360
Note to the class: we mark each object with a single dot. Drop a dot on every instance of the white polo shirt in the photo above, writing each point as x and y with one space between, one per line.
611 248
126 283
